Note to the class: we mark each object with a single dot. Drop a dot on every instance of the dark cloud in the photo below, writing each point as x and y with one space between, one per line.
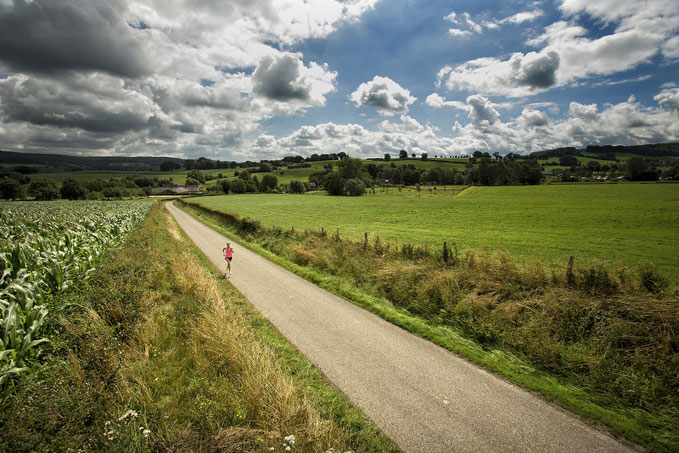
47 36
278 79
61 104
539 72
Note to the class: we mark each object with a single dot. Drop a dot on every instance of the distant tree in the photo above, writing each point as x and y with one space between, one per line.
196 175
334 183
238 186
265 168
485 175
403 154
25 169
477 154
190 164
387 156
43 189
112 192
169 165
355 187
72 189
226 186
569 161
373 170
269 183
594 165
297 186
350 168
424 156
191 182
413 155
496 156
672 172
636 169
10 189
342 155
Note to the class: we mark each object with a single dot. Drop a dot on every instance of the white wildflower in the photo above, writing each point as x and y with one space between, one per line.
290 439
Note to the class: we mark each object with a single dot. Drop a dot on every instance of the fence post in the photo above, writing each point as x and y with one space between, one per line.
365 242
569 271
445 252
293 230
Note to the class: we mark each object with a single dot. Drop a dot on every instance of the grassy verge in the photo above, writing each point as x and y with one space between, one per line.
597 341
156 352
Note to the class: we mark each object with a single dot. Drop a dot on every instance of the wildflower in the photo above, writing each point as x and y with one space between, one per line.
129 413
287 448
290 439
146 432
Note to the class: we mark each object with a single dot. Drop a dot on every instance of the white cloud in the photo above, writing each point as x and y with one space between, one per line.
520 75
465 21
626 123
466 26
584 112
387 96
198 77
482 111
668 99
641 31
437 101
533 118
284 78
524 16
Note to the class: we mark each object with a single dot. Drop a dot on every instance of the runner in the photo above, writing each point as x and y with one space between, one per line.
228 256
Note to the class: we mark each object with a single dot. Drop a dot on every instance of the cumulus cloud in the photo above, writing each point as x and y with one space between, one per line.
626 123
584 112
668 99
104 107
387 96
82 72
482 111
44 36
437 101
280 79
533 118
641 31
520 75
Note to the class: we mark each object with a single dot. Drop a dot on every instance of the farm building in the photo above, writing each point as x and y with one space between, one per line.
173 189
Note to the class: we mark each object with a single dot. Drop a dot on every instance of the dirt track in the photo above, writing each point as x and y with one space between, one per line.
423 397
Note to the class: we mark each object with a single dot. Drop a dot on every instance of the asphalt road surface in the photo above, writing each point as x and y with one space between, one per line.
422 396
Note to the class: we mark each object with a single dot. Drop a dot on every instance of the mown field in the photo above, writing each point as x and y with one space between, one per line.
612 223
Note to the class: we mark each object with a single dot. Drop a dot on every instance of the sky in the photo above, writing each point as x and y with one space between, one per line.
263 79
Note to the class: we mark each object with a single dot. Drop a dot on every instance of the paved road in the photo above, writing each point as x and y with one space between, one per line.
420 395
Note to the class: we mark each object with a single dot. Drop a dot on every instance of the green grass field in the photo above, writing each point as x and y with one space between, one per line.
613 223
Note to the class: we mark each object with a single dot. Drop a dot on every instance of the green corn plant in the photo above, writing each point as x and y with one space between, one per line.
46 247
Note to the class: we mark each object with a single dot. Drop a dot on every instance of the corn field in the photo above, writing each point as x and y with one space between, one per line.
44 248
